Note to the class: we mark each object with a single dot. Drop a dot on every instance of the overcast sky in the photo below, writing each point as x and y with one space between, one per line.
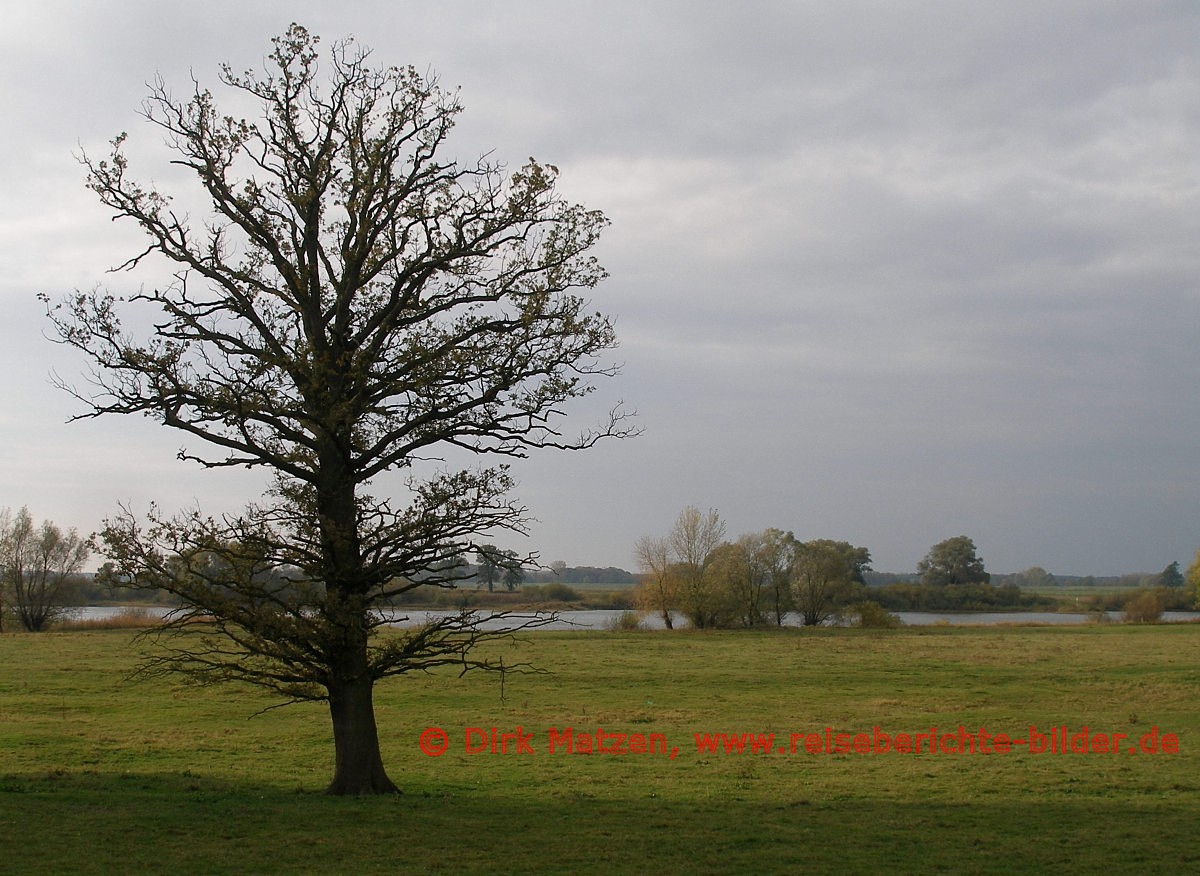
886 272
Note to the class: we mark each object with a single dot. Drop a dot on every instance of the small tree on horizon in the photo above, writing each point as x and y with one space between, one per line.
953 562
1171 576
354 304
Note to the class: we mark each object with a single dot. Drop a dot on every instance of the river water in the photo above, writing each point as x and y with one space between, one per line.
599 619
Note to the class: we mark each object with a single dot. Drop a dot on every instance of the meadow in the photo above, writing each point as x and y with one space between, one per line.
99 774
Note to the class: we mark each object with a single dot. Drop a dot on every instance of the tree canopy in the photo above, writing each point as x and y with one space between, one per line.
1171 576
353 303
953 562
824 573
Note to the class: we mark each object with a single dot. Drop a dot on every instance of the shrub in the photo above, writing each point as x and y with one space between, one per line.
625 622
1144 607
873 615
619 599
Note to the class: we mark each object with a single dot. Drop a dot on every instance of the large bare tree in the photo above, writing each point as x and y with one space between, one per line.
354 304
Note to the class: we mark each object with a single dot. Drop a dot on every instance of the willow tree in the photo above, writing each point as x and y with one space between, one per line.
826 576
351 304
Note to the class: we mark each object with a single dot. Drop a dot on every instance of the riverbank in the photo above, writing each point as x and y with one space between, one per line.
602 619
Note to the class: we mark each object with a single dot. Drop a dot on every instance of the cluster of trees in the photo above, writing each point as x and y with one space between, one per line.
36 565
1035 577
1170 577
693 571
494 565
757 579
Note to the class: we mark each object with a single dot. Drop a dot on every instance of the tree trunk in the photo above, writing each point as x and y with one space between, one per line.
358 766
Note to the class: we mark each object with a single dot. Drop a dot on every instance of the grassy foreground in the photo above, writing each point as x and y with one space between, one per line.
98 775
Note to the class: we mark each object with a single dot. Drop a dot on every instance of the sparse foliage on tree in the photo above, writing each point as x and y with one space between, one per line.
659 588
778 556
674 570
693 538
35 563
354 303
715 583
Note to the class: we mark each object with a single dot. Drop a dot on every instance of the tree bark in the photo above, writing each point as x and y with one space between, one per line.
358 766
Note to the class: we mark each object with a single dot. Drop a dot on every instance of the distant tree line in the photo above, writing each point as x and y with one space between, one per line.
1038 578
495 567
980 596
559 572
693 571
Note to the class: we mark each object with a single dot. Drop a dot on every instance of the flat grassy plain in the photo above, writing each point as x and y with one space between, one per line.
101 775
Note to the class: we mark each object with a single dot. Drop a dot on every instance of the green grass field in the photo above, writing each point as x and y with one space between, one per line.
99 775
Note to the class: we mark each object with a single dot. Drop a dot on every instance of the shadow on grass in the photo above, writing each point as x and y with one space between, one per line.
101 823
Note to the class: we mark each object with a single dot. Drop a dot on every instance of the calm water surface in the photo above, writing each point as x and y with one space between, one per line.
598 619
